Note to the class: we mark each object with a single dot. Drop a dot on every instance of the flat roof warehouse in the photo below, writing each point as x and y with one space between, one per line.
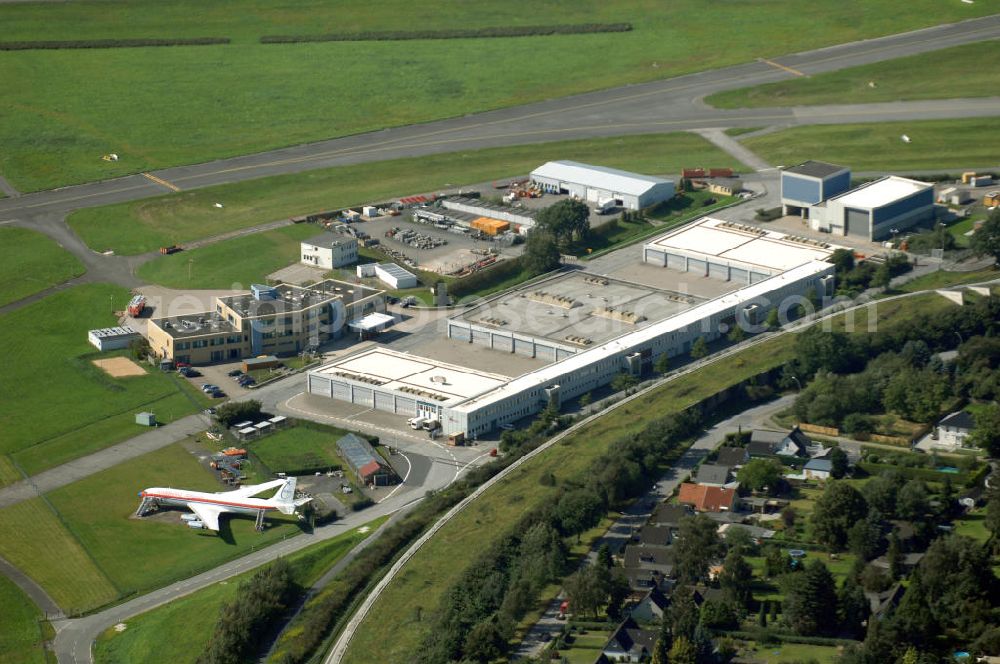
599 176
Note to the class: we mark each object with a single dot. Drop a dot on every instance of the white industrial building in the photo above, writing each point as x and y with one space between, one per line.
388 273
475 402
876 210
329 251
112 338
597 184
732 251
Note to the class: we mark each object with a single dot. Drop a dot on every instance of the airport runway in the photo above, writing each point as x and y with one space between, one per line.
660 106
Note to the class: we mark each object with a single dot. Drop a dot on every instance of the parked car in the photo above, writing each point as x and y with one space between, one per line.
217 394
189 372
248 382
235 372
208 387
182 364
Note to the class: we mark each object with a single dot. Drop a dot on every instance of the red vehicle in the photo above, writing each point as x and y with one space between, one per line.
136 305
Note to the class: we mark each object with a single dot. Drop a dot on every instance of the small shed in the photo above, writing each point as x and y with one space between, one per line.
112 338
265 362
145 419
278 421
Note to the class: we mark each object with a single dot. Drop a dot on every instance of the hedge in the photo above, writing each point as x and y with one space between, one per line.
925 474
485 278
109 43
457 33
786 637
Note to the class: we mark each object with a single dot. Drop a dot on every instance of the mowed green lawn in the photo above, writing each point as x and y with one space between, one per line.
391 626
141 226
64 406
234 263
935 145
298 448
168 634
158 107
20 629
31 262
962 71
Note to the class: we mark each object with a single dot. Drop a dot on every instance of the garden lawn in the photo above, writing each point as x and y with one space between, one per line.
63 402
391 626
20 629
936 145
973 525
37 543
924 76
586 648
168 634
146 225
31 262
233 264
142 554
299 448
158 107
792 653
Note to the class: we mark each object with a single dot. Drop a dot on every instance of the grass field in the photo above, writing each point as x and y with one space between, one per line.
925 76
168 634
141 226
944 279
156 107
20 630
234 263
64 406
31 262
791 653
936 145
432 570
298 448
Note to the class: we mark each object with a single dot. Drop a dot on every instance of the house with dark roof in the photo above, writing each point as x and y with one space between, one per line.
655 535
643 580
953 431
642 556
651 607
669 515
630 643
365 462
707 498
817 469
768 443
734 457
881 603
712 474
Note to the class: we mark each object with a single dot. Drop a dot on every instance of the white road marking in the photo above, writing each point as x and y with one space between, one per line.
409 467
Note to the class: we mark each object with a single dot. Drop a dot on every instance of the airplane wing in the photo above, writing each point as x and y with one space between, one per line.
208 514
253 489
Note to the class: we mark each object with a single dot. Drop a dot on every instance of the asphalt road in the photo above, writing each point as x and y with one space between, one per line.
666 105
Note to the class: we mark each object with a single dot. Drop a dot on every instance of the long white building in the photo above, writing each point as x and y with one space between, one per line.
598 183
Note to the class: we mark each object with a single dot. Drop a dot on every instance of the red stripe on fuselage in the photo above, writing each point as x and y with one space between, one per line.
207 501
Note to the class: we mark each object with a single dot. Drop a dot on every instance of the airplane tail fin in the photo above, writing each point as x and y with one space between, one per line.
285 498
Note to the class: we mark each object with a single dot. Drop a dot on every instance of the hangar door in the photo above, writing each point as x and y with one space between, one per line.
341 391
656 257
319 385
593 194
717 271
857 223
757 276
522 347
698 267
503 343
563 354
481 337
738 275
363 396
675 262
545 352
459 333
406 406
383 401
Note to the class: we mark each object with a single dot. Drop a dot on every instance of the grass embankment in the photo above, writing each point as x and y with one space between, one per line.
945 279
299 448
168 634
141 226
168 106
21 627
85 549
31 262
936 145
64 407
393 626
924 76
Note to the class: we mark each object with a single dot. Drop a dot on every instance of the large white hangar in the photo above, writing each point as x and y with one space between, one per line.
598 184
731 251
876 210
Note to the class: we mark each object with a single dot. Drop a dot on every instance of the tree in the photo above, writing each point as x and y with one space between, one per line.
565 219
697 542
683 614
586 399
880 493
986 240
699 348
864 538
736 334
843 260
719 614
838 463
810 606
761 474
736 579
232 412
772 321
882 276
578 510
662 364
683 651
912 502
986 435
762 615
486 641
623 382
586 592
604 556
993 512
541 253
895 556
839 508
854 607
776 563
661 649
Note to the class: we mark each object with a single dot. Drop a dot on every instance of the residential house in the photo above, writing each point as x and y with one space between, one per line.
704 594
657 558
881 603
953 431
630 643
707 498
817 469
711 474
755 532
767 443
651 607
654 535
764 504
644 580
734 457
909 561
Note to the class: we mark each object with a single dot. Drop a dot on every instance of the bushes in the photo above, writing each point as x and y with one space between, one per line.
232 412
457 33
109 43
483 279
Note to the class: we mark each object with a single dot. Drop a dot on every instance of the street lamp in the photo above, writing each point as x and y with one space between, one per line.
797 383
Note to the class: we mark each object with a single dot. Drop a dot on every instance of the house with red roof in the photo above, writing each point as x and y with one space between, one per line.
707 498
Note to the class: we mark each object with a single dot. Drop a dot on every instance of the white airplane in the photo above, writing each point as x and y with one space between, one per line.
209 506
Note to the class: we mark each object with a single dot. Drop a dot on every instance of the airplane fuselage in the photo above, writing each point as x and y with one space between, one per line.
182 498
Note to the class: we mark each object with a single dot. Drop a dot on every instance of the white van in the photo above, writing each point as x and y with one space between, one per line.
415 422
